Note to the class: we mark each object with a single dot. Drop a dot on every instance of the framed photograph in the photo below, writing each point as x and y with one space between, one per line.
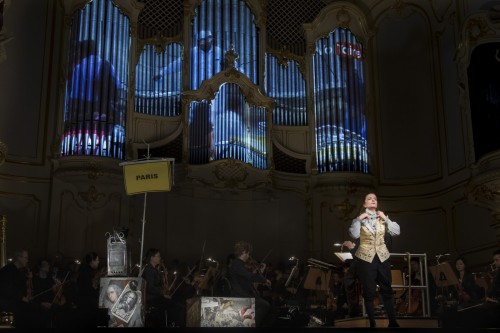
123 297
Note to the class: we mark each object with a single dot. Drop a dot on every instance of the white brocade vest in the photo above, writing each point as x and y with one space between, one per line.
370 244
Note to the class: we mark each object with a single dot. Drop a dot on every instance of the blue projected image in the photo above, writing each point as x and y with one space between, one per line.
95 113
96 85
339 105
227 127
157 94
206 58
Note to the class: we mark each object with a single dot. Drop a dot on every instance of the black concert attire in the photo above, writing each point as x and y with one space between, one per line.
337 291
481 315
87 298
43 293
242 280
13 287
373 264
42 289
465 293
162 311
351 286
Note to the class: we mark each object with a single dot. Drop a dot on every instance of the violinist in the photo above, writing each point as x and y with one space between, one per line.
15 293
337 307
485 314
157 294
350 281
242 281
87 297
465 291
44 293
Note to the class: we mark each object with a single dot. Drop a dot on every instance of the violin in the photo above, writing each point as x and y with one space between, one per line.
165 287
258 268
254 266
29 284
331 302
463 297
97 276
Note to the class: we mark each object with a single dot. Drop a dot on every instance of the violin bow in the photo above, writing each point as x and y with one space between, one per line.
59 291
183 279
267 255
202 254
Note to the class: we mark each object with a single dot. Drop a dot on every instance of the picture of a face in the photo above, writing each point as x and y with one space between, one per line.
130 299
112 293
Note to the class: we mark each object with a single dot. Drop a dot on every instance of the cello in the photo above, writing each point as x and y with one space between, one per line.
411 305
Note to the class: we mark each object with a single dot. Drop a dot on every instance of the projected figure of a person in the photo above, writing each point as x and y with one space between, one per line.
93 84
206 60
95 117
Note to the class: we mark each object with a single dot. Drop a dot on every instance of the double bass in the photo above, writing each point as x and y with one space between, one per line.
411 304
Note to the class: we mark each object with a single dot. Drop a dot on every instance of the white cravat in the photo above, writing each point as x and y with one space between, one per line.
372 221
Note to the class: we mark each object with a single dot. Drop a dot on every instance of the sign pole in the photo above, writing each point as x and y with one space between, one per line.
149 175
142 235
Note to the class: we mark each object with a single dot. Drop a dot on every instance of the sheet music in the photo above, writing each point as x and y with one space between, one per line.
343 256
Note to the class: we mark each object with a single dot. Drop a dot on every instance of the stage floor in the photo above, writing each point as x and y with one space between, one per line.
406 322
348 325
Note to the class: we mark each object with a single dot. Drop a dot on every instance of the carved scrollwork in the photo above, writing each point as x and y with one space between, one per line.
230 174
343 18
92 197
95 171
477 28
3 152
4 37
344 209
484 191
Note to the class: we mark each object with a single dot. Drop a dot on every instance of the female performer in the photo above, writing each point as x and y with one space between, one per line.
372 257
466 288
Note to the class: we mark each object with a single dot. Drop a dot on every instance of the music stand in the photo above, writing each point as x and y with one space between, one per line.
443 275
317 279
397 279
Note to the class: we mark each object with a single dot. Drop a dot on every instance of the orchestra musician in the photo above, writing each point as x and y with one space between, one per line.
337 307
16 290
485 314
87 297
350 282
242 280
47 293
465 291
412 301
166 312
